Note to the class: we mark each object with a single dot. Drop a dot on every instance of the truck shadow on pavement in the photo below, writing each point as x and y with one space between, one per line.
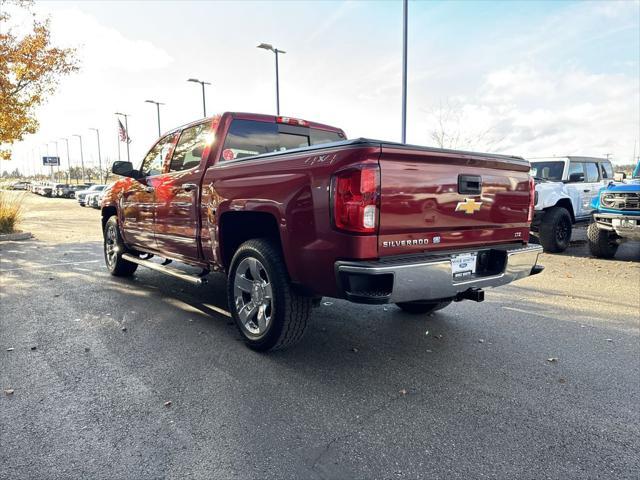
364 380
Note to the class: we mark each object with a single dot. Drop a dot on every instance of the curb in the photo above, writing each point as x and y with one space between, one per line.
7 237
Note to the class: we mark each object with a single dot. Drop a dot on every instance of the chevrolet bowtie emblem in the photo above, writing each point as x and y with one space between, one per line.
469 206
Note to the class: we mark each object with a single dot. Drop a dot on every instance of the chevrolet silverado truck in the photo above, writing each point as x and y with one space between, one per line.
616 217
292 211
565 188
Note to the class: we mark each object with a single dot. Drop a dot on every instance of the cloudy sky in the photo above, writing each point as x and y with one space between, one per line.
526 78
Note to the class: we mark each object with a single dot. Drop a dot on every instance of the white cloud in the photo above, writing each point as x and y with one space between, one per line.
533 112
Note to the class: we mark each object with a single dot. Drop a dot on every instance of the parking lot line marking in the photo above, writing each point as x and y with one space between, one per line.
526 311
44 267
217 309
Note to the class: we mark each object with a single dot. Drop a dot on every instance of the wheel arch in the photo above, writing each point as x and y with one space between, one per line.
567 205
236 227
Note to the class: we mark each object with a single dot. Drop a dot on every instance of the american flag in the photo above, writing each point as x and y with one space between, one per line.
124 135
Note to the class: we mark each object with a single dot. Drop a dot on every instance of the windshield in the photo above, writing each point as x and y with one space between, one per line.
96 188
547 170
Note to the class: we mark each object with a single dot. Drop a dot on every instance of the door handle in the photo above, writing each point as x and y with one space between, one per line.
187 187
149 189
586 191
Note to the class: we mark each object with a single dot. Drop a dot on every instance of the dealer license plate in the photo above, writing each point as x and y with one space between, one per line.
463 265
623 223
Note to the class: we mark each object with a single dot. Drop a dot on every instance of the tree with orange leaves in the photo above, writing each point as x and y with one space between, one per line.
30 68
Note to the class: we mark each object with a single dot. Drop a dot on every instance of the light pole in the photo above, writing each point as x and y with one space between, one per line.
126 127
84 178
157 104
405 12
68 158
204 104
99 156
267 46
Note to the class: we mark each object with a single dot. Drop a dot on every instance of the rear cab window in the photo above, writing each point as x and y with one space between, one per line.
592 172
606 170
247 138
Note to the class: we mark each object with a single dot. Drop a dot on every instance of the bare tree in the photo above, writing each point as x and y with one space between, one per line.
451 128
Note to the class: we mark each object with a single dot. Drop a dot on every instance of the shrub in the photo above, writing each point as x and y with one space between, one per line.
10 211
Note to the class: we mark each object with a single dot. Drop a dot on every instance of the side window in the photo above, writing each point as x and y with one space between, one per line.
154 161
247 138
188 151
606 170
592 172
576 172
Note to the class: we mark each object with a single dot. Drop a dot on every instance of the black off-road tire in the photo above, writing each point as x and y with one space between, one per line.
602 242
555 230
290 311
422 307
117 265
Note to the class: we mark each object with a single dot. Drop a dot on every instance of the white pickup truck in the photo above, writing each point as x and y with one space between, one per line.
565 187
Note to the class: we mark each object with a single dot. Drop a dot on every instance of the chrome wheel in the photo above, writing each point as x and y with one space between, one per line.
111 245
253 296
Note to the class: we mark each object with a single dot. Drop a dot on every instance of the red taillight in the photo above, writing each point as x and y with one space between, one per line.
292 121
532 199
356 198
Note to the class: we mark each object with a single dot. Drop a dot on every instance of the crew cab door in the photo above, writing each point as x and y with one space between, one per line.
177 194
138 199
578 189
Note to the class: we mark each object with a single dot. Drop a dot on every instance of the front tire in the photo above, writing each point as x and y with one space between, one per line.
114 248
602 243
555 230
266 310
422 307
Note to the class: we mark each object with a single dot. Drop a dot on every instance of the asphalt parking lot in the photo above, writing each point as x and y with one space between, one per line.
147 377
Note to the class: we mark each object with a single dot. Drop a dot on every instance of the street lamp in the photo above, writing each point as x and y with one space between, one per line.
157 104
99 156
126 127
84 177
204 105
68 158
405 12
268 46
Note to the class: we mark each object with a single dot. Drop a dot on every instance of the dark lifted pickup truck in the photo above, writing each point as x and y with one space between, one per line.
292 211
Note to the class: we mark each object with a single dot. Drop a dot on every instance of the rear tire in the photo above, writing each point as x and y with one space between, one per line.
114 248
266 310
601 242
422 307
555 230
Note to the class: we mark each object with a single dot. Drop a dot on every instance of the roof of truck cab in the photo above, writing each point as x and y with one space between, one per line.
574 158
260 117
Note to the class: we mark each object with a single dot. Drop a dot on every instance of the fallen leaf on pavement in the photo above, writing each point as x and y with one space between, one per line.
552 359
562 380
403 392
327 303
609 339
168 404
481 340
10 349
33 348
124 329
9 391
354 350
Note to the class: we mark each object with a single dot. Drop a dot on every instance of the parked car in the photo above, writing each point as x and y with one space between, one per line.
292 211
616 217
69 191
565 188
81 194
19 186
94 199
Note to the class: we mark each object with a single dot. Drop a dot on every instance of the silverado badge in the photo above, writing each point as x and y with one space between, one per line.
469 206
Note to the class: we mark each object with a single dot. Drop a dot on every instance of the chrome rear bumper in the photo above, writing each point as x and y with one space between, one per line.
430 278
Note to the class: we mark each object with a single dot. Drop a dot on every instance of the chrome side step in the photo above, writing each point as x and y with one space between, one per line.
192 279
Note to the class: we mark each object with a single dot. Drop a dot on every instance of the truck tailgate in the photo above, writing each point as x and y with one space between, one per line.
434 199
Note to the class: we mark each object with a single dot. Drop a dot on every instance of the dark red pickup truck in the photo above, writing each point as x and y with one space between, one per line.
293 211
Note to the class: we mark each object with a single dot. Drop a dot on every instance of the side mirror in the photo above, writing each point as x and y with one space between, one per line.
619 176
576 177
125 169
